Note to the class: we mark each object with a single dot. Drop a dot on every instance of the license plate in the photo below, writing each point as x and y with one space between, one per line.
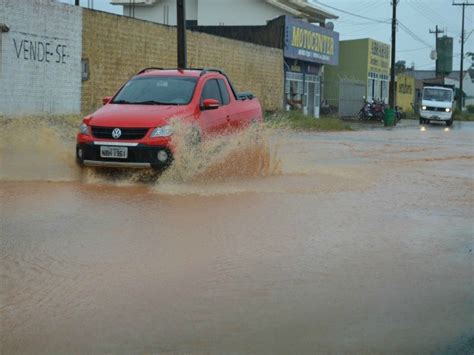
114 152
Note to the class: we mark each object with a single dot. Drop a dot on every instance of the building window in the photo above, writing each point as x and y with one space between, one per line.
384 93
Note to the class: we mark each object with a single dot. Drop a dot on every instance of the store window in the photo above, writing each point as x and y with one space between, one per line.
384 93
294 91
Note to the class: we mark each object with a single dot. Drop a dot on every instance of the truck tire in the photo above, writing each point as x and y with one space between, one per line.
422 120
449 123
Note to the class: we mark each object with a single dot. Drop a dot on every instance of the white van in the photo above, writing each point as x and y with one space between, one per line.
437 104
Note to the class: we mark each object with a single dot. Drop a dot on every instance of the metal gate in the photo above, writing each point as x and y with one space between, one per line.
351 93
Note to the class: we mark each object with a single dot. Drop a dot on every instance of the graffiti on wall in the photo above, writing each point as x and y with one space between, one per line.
46 50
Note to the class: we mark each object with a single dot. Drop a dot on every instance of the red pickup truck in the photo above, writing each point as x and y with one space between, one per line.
133 130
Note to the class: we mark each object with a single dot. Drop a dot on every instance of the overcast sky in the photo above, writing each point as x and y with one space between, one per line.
416 16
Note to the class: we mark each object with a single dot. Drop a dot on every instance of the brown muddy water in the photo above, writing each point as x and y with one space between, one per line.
345 243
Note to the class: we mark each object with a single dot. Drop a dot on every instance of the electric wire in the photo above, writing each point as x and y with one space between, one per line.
412 34
350 13
413 50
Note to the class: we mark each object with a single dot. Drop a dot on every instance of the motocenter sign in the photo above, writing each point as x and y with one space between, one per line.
310 43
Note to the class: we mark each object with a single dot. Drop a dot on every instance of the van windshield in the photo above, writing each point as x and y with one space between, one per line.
157 90
434 94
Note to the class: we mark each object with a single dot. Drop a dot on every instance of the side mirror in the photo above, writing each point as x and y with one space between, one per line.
106 100
363 97
210 104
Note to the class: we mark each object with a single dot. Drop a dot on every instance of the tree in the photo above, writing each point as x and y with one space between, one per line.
400 66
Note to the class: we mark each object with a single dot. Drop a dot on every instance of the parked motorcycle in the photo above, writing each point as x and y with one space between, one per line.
365 112
374 110
378 109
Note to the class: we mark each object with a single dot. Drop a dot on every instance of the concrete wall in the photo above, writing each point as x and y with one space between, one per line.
118 47
40 57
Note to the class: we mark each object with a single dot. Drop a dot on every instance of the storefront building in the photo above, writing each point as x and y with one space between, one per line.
364 69
307 49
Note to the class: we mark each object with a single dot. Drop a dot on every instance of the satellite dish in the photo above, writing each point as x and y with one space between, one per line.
434 54
329 25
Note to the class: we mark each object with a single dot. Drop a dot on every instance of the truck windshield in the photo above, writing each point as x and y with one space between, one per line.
157 90
434 94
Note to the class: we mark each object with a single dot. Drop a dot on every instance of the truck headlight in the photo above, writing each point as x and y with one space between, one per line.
84 129
423 108
448 109
164 131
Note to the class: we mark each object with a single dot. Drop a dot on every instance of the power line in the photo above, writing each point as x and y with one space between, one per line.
350 13
429 8
413 50
427 65
429 14
412 34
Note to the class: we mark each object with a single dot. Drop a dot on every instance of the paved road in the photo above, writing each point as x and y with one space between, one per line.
357 242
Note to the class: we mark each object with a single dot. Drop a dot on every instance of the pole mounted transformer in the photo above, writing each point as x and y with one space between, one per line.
181 40
436 33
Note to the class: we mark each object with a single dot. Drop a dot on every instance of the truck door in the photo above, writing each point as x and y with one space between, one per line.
216 120
234 114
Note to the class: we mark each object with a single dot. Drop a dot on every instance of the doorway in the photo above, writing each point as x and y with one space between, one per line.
312 95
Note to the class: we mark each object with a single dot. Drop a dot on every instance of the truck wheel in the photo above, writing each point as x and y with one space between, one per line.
449 123
422 120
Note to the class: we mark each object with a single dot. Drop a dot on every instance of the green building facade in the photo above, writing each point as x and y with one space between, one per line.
363 70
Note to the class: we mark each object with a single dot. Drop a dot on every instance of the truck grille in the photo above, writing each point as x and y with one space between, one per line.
431 108
127 133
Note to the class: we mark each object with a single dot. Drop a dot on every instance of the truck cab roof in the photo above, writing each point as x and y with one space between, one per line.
190 72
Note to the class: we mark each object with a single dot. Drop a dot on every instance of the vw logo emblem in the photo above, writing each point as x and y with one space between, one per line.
116 133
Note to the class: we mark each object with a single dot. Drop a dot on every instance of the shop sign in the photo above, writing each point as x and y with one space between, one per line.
379 57
310 43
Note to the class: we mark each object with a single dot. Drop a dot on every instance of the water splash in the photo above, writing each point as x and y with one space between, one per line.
38 148
243 154
42 148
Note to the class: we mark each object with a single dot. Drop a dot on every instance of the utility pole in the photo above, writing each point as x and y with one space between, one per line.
436 32
181 22
391 96
461 71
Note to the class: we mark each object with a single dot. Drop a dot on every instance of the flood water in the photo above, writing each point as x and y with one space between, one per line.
344 243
